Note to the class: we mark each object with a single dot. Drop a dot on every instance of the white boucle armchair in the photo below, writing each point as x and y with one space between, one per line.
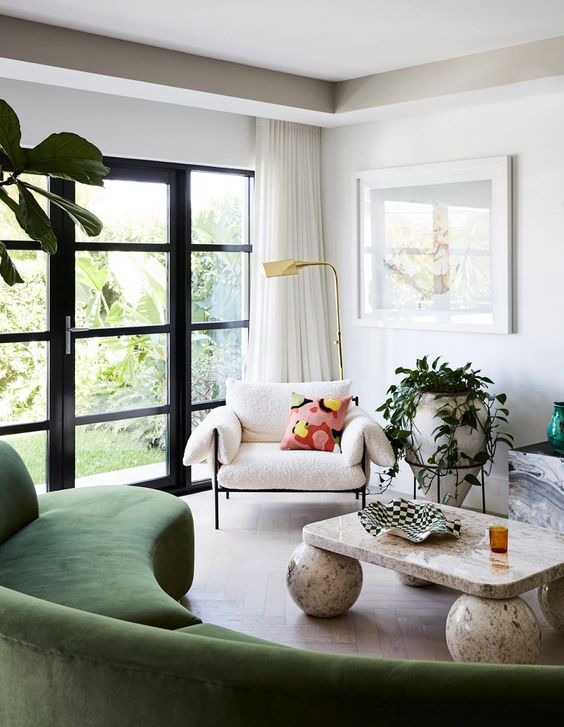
241 443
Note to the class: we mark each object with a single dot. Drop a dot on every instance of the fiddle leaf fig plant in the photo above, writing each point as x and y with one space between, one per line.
463 402
65 156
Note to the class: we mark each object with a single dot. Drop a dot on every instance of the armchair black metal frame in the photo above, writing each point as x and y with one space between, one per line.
217 488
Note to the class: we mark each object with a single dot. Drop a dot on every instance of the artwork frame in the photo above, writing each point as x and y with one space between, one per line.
434 246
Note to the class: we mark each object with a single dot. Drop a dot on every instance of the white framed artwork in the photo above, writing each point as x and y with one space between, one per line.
434 246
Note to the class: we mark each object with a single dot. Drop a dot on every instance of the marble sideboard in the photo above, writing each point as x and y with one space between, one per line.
536 486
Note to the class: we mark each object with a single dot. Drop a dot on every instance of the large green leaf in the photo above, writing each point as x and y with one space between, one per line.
7 268
94 276
11 135
34 220
67 156
148 310
86 220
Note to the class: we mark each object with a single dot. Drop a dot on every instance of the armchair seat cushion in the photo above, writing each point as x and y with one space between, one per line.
264 466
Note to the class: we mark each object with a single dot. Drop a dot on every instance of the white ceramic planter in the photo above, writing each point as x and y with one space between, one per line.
470 441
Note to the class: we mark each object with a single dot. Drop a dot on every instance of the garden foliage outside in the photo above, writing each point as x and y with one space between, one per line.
116 288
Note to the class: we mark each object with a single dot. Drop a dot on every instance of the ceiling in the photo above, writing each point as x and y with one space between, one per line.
327 39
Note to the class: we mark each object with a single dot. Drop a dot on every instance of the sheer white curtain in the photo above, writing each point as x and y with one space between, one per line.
289 327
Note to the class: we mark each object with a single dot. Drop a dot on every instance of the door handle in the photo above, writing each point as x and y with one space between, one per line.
69 330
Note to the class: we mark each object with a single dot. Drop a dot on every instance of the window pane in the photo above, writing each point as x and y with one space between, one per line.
121 453
216 355
9 228
32 448
23 382
24 307
219 286
219 210
121 288
120 373
130 211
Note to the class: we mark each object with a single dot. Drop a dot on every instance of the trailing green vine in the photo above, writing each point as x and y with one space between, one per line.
466 402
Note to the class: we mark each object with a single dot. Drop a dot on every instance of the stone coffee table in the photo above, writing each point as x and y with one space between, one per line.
487 623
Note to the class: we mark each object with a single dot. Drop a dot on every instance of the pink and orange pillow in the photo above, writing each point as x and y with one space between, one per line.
316 423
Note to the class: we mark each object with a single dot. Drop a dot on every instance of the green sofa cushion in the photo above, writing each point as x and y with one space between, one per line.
18 498
115 551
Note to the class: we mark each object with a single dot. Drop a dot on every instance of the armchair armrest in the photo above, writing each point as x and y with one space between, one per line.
360 430
228 426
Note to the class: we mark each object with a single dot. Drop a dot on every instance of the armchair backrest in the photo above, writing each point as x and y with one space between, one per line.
263 408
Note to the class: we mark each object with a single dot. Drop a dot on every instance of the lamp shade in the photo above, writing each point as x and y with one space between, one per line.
280 268
277 268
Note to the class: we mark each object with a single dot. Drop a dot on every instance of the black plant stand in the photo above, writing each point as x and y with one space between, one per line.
433 468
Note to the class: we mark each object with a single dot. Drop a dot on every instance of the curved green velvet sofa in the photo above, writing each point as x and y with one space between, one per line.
91 636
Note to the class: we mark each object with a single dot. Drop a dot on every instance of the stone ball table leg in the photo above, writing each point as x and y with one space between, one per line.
322 583
412 581
551 600
496 631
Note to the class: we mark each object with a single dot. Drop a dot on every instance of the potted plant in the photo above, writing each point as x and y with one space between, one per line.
443 421
64 155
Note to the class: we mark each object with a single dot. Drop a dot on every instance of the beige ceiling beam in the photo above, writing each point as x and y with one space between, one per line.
52 55
48 45
517 64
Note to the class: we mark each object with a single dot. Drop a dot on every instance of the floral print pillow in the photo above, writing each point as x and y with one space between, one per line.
316 423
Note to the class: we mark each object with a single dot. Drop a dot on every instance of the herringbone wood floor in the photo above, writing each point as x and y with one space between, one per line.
239 583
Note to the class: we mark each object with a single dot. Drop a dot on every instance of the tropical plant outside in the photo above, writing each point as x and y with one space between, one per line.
116 288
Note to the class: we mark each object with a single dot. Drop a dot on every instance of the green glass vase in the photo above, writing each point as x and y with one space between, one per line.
555 430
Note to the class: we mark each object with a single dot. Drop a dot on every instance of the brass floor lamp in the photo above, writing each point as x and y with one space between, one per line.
279 268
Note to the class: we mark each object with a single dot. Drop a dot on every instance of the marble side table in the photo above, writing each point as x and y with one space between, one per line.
489 622
536 486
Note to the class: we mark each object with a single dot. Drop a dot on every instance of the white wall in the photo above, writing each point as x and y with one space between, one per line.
528 365
135 128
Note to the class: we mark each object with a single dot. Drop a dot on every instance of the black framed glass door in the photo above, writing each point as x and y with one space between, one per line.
120 331
116 346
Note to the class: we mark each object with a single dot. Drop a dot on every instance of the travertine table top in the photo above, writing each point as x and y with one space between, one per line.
535 555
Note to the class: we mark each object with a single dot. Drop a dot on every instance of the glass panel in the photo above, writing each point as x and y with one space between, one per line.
219 210
218 286
471 263
121 453
120 373
24 307
9 228
216 355
121 288
130 211
427 250
32 448
23 382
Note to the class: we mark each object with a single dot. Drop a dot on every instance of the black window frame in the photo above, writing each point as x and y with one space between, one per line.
60 422
246 248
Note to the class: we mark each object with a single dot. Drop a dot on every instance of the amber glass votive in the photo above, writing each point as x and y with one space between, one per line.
498 538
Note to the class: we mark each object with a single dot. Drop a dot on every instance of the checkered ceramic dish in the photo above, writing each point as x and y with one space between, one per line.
413 521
